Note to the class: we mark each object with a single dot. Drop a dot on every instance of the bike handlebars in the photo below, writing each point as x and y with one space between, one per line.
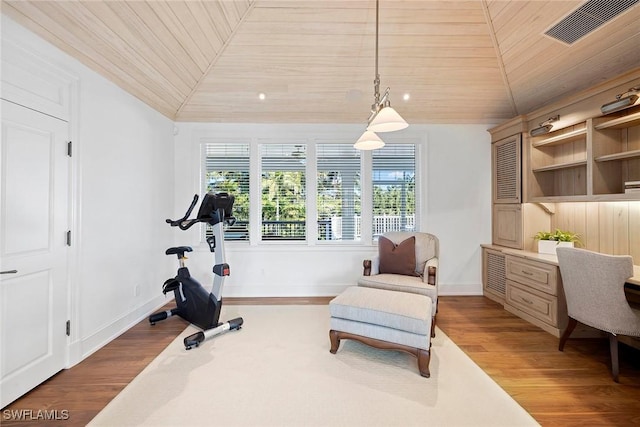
215 208
183 222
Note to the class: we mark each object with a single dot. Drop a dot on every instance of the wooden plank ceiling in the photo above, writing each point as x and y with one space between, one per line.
476 61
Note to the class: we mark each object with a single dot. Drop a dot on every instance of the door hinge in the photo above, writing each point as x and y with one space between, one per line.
69 238
68 328
69 148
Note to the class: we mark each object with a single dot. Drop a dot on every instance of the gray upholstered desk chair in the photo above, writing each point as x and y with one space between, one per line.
395 269
594 289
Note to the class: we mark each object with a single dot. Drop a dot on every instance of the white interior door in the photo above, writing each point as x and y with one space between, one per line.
34 203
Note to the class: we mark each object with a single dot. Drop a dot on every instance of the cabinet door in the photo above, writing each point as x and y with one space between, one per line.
507 225
493 275
506 167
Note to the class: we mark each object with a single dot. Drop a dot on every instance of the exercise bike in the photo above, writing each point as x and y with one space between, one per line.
193 302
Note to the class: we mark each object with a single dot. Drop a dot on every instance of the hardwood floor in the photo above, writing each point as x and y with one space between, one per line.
570 388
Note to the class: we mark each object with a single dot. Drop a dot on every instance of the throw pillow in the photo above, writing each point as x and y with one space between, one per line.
397 259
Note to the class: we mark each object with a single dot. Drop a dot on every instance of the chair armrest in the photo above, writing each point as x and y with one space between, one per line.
433 262
366 267
372 265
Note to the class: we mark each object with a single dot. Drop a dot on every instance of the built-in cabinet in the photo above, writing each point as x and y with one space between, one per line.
567 178
529 285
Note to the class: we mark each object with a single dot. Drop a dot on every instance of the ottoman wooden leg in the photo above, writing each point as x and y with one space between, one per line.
423 362
335 341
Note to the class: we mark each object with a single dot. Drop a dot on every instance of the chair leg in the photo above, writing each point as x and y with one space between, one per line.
433 322
433 327
565 336
613 349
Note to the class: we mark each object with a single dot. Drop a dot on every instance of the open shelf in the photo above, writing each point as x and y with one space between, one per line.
619 156
558 166
561 139
620 122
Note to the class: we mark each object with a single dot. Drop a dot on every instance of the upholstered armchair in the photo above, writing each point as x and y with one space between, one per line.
594 290
406 262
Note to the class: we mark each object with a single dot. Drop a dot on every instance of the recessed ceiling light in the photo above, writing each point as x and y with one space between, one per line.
261 96
406 97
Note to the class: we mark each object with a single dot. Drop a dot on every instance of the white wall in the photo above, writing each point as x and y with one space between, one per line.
456 206
126 161
122 189
459 202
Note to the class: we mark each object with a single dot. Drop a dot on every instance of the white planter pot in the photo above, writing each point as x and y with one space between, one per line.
549 246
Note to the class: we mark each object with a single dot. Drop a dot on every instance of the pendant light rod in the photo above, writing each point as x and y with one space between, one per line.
376 80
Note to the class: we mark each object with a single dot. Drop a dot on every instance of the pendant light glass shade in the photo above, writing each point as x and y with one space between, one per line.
387 120
368 141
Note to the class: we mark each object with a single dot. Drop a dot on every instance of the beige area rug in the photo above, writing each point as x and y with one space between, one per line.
277 371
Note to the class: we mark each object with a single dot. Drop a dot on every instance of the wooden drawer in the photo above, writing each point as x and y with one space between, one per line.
537 304
538 275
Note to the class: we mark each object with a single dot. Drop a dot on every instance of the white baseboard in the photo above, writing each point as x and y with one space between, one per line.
84 348
469 289
257 291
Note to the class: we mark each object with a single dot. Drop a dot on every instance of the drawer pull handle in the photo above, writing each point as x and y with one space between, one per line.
527 301
528 273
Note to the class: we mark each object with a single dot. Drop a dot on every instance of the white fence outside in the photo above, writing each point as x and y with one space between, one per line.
381 225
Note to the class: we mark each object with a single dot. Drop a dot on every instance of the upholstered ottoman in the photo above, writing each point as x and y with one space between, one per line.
383 319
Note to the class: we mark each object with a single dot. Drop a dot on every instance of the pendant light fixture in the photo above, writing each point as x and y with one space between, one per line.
383 118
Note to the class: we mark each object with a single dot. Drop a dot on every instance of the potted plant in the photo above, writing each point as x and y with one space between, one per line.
548 241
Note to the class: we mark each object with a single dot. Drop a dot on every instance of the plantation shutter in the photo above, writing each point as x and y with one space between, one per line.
394 196
227 170
338 192
283 191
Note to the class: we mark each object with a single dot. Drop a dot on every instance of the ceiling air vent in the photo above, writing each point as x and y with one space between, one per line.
587 18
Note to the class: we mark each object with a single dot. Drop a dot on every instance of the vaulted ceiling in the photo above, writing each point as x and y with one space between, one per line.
476 61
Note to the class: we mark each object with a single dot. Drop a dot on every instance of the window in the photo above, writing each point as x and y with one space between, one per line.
338 192
227 170
312 190
283 181
394 189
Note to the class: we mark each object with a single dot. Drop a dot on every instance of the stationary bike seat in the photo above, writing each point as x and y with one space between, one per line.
178 250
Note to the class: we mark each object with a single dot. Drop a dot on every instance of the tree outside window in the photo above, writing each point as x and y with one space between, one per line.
283 192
